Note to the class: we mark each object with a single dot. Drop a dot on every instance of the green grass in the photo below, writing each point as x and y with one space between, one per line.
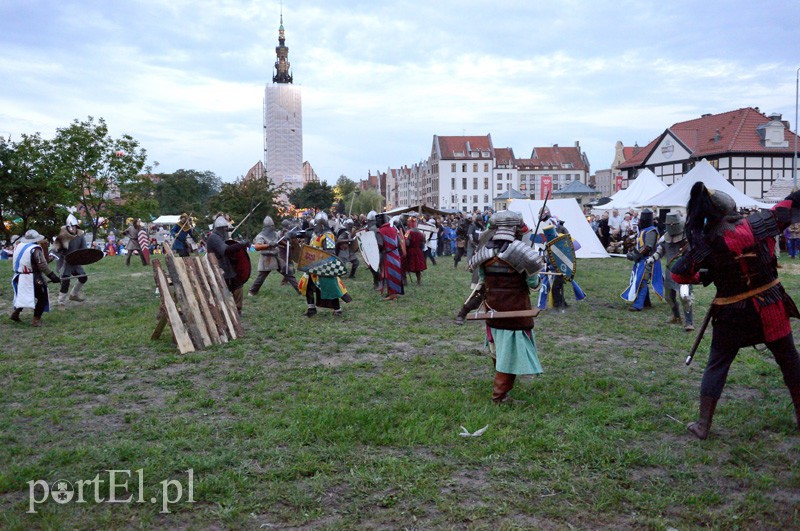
353 422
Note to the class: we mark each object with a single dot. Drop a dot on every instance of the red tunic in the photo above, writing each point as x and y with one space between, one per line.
414 253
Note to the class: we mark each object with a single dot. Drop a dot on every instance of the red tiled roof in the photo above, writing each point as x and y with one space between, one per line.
738 133
555 157
450 145
504 155
628 152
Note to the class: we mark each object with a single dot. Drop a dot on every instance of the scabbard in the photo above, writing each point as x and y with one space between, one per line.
492 314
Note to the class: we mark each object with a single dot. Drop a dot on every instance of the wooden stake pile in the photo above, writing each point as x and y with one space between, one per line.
199 308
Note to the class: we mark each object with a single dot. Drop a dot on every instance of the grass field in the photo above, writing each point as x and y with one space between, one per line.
353 423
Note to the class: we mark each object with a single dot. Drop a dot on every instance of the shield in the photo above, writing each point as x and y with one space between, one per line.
428 229
561 253
81 257
368 245
240 261
319 262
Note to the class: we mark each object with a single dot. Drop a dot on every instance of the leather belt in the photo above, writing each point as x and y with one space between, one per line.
721 301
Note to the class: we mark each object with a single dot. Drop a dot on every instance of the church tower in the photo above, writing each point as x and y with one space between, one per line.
283 122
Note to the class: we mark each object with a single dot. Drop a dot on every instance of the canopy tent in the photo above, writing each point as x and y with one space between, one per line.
677 195
568 211
429 211
646 185
165 220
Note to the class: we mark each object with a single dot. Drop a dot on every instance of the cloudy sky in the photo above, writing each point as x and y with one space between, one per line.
186 77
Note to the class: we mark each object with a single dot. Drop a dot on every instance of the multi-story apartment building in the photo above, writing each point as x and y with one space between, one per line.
462 168
550 169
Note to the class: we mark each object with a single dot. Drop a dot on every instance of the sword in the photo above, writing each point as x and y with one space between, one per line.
536 230
707 319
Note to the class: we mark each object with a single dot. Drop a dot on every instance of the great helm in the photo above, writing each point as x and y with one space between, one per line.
674 224
506 223
268 222
646 218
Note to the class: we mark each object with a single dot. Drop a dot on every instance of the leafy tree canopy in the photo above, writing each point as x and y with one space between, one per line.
314 194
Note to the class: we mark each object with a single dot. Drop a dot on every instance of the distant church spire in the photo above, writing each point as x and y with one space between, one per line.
282 65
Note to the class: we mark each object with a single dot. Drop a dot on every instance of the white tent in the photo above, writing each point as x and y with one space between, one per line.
677 195
165 220
568 211
645 186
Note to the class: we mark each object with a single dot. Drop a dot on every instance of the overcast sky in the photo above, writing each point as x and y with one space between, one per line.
186 77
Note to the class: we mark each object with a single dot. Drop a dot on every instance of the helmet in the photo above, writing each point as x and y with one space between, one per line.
506 223
674 224
371 214
348 223
220 221
544 213
72 221
285 224
268 222
646 218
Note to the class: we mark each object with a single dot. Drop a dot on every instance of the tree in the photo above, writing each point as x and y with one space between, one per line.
367 200
95 166
313 195
247 201
186 191
31 192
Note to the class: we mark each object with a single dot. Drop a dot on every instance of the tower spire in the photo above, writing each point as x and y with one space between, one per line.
282 74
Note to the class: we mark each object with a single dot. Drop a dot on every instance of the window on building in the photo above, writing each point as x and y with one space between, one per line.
523 187
453 167
474 167
453 183
508 176
474 183
499 186
569 177
474 198
486 166
464 183
464 167
499 176
464 199
485 183
485 198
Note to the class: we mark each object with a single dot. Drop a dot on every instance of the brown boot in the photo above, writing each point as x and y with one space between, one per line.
15 314
795 392
703 424
37 322
503 383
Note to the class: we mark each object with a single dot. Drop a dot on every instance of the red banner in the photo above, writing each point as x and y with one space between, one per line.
618 183
547 187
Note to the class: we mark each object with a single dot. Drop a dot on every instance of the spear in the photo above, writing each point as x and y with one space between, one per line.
245 218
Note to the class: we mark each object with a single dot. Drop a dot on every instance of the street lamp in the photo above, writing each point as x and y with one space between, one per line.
794 159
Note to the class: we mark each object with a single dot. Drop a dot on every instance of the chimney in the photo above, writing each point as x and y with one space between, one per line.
706 115
716 136
775 117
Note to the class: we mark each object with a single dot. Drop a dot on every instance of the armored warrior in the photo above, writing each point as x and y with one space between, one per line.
415 241
180 232
737 255
645 267
69 239
669 247
323 291
478 293
462 231
391 259
272 247
552 279
132 232
346 246
228 254
30 270
508 269
372 224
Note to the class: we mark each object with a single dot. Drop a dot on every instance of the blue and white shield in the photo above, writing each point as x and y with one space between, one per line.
561 253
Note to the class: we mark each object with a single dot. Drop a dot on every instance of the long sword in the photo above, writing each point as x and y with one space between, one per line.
707 319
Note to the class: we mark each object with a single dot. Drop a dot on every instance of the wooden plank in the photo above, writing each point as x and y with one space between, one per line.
219 291
213 303
179 331
191 310
195 312
203 295
227 295
162 322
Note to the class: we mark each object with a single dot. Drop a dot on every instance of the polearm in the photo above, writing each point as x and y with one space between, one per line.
536 230
706 320
245 218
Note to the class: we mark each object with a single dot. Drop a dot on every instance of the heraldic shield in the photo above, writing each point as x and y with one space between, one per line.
318 262
561 253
